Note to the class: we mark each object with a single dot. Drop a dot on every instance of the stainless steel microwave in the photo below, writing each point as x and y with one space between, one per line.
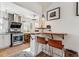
15 25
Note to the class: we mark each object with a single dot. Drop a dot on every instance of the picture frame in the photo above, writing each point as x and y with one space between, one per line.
53 14
77 8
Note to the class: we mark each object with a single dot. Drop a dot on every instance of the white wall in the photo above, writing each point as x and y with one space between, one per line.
67 23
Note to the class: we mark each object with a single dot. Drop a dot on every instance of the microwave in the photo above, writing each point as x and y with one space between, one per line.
15 25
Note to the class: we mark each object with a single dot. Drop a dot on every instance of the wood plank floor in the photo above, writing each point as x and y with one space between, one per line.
13 50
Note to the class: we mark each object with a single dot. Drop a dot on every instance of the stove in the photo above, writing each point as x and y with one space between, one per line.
16 38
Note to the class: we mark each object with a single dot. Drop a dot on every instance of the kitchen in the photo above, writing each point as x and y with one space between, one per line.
13 25
22 28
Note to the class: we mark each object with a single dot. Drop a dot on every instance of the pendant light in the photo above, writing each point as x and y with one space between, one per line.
42 20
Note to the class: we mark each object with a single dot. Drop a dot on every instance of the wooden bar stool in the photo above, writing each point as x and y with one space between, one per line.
56 44
41 40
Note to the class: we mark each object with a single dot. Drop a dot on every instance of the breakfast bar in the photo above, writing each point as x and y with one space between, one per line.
39 35
50 33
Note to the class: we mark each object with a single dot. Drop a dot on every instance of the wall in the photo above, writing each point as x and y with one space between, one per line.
67 23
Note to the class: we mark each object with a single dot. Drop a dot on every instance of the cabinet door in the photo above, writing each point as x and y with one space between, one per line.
1 41
7 40
17 18
5 26
11 17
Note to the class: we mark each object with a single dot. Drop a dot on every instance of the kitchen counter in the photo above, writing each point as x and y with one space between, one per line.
4 33
48 33
35 45
45 33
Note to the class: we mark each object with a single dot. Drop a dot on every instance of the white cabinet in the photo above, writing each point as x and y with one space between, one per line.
1 41
3 25
14 17
17 18
4 40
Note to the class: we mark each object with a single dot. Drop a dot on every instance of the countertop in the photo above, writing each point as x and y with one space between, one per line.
38 33
4 33
46 33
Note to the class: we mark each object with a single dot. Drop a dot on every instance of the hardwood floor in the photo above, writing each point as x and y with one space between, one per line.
13 50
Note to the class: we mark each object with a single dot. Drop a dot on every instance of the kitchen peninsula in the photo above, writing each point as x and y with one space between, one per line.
48 33
35 46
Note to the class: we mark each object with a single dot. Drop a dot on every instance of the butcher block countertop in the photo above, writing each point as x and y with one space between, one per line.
46 33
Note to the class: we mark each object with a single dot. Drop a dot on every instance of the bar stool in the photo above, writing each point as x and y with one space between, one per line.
41 40
56 44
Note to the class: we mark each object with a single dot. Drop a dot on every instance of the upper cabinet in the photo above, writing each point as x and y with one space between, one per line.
14 17
3 14
10 17
17 18
18 11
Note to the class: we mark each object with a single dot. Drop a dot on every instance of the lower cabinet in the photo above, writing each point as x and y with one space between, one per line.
7 40
4 40
1 41
27 38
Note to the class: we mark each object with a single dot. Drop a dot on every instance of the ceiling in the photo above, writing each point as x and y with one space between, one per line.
35 6
44 4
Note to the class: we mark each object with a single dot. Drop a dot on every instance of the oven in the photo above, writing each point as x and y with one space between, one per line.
17 38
